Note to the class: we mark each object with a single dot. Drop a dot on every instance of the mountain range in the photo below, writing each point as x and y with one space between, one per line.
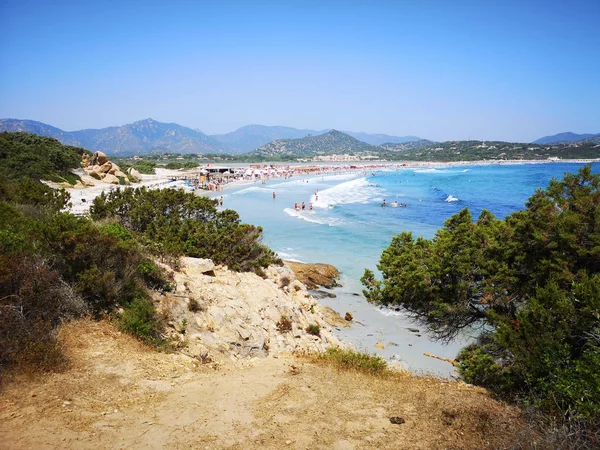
150 136
565 138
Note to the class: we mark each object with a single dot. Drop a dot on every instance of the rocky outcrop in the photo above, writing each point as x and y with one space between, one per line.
133 173
99 168
315 275
222 315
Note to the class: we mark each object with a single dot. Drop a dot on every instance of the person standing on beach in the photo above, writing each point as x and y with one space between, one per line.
303 206
274 196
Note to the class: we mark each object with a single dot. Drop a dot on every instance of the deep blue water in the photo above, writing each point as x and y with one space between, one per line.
349 229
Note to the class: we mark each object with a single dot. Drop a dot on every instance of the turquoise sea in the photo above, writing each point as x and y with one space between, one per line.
349 228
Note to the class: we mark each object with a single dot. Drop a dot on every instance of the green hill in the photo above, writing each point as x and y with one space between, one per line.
32 157
332 142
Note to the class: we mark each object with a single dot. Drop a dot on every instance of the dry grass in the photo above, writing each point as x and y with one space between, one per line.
119 392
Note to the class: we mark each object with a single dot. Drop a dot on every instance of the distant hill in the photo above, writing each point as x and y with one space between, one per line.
332 142
379 139
150 136
497 151
564 138
137 138
145 135
251 137
411 145
39 128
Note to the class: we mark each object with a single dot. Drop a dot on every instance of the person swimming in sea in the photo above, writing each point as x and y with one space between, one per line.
394 204
296 206
303 206
383 204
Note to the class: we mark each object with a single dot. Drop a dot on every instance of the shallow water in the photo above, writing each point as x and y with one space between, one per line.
349 229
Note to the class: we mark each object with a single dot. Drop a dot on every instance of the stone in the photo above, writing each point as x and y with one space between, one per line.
98 158
349 317
244 333
198 265
332 317
108 178
397 420
315 275
105 168
134 173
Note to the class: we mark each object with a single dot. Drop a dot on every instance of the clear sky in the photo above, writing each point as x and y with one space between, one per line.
509 70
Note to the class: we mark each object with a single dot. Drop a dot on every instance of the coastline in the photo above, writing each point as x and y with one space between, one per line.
83 196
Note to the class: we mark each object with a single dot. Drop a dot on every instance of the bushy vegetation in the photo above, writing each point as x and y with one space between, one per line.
55 266
179 223
144 166
353 360
313 329
26 156
530 284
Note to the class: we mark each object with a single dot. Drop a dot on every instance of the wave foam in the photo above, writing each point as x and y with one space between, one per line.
310 216
451 198
251 189
354 191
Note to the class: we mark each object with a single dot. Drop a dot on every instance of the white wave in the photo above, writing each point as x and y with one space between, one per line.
288 256
252 189
431 170
466 170
354 191
310 216
390 312
451 198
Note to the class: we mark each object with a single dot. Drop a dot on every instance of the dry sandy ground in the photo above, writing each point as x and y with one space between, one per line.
119 394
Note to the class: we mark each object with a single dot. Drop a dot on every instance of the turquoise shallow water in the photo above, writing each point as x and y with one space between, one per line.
349 229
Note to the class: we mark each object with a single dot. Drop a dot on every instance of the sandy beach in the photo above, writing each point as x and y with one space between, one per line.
83 196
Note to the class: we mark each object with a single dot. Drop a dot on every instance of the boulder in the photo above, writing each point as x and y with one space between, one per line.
108 178
315 275
99 158
349 317
134 173
332 318
105 168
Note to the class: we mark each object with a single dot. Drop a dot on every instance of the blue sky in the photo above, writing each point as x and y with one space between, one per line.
509 70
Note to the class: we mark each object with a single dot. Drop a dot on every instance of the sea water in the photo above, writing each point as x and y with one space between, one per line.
349 228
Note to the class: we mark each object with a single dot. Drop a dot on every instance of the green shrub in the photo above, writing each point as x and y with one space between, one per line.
139 319
285 324
530 283
314 329
95 175
71 178
352 360
175 222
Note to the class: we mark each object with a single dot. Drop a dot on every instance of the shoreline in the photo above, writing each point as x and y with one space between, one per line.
83 196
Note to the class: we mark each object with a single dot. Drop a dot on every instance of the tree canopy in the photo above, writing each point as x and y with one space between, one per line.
530 285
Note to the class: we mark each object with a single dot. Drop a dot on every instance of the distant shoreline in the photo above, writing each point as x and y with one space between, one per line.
82 197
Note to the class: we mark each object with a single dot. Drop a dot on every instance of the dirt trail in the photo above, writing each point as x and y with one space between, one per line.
119 394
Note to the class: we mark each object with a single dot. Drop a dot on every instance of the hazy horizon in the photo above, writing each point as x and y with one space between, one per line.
513 71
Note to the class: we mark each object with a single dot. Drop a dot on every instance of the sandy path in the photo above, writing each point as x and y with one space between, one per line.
119 394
